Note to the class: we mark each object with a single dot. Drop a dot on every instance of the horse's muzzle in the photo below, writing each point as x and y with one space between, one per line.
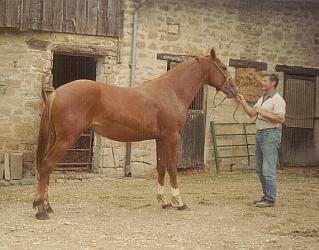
230 90
233 92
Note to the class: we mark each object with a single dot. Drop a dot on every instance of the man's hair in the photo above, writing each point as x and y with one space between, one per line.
273 78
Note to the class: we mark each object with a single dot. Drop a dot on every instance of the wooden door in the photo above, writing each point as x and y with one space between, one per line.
298 141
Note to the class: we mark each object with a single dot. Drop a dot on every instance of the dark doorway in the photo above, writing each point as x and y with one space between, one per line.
68 68
190 152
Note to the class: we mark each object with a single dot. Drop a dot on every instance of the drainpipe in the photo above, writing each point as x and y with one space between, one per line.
127 167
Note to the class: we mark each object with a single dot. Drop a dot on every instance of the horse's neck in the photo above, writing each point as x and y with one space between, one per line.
186 79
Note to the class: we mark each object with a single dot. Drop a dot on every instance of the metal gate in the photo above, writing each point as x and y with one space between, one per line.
66 69
298 142
190 153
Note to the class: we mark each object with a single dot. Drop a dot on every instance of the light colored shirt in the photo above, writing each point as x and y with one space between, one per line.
274 104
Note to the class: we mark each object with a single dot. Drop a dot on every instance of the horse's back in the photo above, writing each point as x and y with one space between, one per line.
78 86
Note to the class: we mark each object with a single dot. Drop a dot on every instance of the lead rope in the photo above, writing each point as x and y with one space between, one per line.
242 123
214 105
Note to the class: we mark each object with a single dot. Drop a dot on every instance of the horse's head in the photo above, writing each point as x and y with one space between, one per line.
219 76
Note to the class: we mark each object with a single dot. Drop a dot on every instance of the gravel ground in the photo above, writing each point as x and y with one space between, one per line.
122 213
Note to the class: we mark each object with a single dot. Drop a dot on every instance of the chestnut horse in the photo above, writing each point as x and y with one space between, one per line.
156 110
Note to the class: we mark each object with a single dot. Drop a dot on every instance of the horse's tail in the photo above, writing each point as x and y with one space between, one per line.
47 134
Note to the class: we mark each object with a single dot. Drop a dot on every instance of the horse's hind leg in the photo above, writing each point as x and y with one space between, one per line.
39 199
161 168
46 166
47 205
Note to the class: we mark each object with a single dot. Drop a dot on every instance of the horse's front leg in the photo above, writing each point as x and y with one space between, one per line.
161 168
171 164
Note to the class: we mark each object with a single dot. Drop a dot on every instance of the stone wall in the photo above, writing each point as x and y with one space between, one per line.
26 62
273 32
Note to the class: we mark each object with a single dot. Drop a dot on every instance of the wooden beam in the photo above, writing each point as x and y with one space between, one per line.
12 14
102 19
174 58
47 15
94 17
81 16
57 15
3 13
115 18
91 16
69 17
25 15
239 63
297 70
90 50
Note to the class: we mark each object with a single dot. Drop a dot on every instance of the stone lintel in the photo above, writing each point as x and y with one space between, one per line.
240 63
85 50
173 57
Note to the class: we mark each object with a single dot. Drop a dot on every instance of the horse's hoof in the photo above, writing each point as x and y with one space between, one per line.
42 216
184 207
168 205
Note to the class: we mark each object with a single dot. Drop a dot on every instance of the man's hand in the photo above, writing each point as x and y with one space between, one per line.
249 110
240 98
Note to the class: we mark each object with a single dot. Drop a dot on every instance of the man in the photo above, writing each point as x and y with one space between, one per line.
270 112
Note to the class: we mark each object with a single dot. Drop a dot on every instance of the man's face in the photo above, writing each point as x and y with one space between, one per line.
266 84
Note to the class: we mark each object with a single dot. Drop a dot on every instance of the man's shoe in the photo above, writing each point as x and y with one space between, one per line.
263 198
265 203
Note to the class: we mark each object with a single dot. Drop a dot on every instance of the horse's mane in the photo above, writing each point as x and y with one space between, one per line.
201 60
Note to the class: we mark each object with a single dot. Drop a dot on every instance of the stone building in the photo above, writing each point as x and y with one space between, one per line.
47 43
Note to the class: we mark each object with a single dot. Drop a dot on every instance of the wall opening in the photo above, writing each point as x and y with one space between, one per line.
67 68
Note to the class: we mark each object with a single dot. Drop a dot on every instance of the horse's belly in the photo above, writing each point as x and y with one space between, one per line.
124 133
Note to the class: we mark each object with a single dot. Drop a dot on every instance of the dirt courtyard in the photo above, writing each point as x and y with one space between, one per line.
122 213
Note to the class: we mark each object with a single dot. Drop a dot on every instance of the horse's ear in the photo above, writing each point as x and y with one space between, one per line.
213 54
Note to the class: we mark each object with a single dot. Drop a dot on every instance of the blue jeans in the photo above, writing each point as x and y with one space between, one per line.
266 153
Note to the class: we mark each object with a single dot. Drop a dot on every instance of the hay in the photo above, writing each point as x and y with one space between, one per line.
248 82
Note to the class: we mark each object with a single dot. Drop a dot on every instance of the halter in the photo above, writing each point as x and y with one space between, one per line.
227 78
